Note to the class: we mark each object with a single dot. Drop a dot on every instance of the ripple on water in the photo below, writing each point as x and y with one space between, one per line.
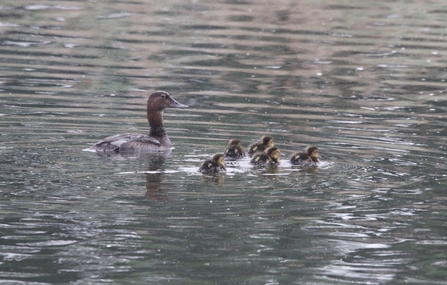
372 100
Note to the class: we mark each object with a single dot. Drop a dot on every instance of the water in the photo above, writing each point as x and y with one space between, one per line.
365 82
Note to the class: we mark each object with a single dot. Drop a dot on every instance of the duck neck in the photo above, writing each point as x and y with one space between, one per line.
156 124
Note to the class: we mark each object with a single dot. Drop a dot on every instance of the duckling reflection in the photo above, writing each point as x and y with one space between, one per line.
217 179
234 150
214 165
270 156
266 142
271 172
310 157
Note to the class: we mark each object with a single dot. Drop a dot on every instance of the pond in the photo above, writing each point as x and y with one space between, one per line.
364 82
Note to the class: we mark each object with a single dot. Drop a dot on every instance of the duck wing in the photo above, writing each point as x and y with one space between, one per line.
145 139
113 143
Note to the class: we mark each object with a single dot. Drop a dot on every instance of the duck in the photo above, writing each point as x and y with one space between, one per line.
156 141
266 142
270 156
309 157
234 149
213 165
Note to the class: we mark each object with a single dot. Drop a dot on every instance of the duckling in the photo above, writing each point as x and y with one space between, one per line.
310 157
213 165
234 149
270 155
266 142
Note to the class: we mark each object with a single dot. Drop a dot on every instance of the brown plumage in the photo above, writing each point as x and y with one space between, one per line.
213 165
234 149
157 140
309 157
266 142
270 156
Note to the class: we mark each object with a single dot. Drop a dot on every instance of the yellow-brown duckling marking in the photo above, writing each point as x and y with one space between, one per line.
213 165
234 149
266 142
309 157
270 155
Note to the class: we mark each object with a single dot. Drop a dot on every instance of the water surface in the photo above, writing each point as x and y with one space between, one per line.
364 82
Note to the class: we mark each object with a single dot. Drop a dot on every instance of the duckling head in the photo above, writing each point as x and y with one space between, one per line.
219 159
273 152
267 141
313 153
235 143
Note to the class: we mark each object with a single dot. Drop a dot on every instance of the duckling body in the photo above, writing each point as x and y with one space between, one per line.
309 157
266 142
234 149
156 141
269 156
260 159
213 165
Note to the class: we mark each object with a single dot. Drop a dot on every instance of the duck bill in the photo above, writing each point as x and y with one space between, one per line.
175 104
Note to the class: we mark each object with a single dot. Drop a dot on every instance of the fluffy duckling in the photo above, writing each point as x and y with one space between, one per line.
310 157
266 142
234 149
213 165
270 155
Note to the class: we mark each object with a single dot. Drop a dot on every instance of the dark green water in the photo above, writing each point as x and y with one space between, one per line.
365 82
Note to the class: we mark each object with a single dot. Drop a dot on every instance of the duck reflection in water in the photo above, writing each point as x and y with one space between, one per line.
217 179
156 189
271 172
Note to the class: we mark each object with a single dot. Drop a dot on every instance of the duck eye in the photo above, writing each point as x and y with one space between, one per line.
163 96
